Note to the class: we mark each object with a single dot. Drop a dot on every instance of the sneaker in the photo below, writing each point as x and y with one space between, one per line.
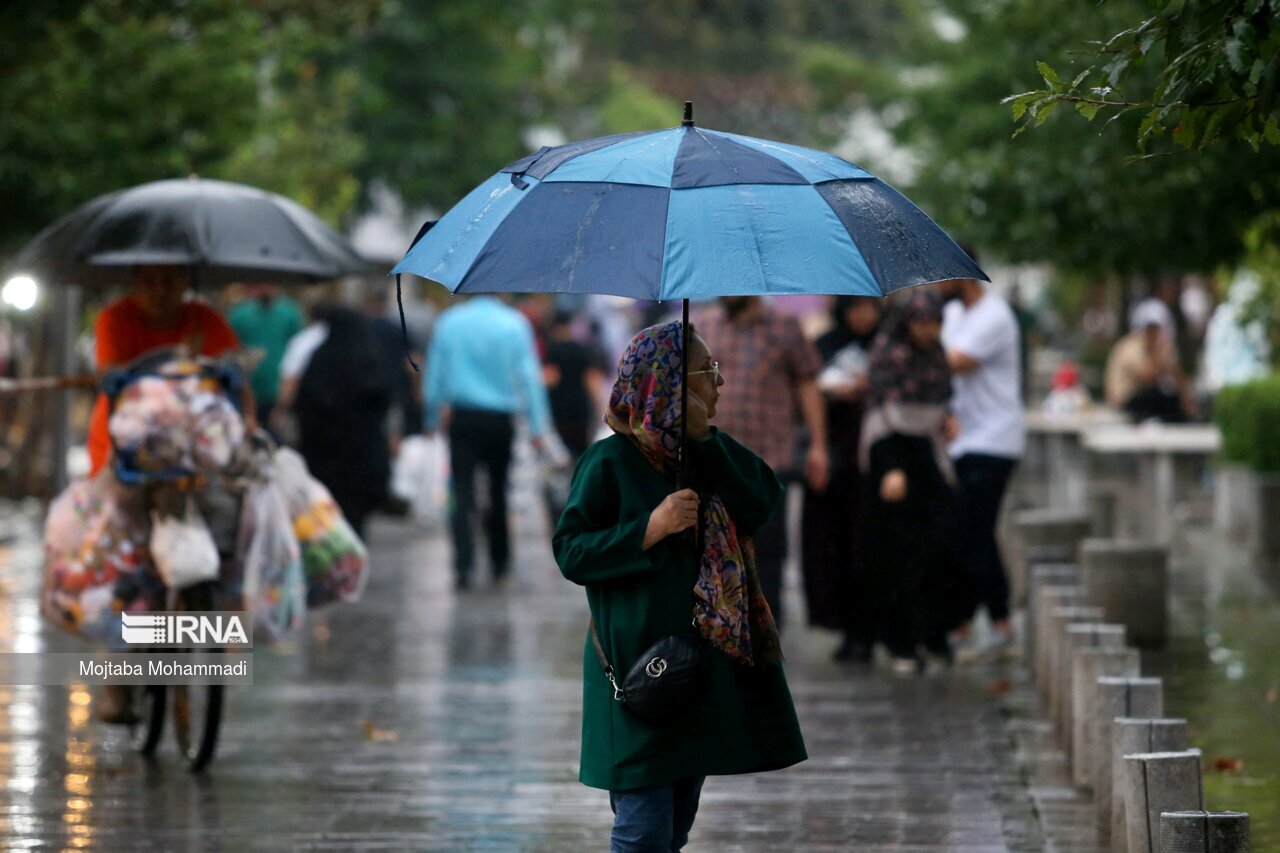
996 646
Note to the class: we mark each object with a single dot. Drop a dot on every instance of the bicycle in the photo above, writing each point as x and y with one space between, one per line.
196 709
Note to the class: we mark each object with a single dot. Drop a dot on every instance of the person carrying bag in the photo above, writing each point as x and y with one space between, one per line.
669 571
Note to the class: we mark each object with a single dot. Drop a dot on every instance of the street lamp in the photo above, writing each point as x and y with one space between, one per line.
20 292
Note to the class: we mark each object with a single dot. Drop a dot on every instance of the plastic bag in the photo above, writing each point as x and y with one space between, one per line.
97 563
177 420
270 565
421 477
183 548
334 560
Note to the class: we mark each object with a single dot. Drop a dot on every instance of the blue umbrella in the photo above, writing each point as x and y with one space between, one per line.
684 213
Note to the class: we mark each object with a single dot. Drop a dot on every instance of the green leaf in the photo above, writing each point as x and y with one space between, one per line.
1080 78
1023 96
1116 70
1089 111
1019 109
1271 131
1046 110
1150 125
1050 76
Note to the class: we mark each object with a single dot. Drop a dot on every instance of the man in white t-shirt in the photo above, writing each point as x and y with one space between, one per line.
980 334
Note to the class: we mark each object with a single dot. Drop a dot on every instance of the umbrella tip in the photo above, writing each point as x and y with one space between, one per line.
688 114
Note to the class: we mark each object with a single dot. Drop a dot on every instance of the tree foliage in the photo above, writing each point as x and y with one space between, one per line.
101 95
1215 76
447 89
1066 194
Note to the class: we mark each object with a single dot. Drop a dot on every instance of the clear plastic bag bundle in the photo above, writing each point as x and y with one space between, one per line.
269 560
334 560
97 563
177 419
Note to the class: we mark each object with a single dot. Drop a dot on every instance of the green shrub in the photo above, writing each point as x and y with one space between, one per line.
1249 417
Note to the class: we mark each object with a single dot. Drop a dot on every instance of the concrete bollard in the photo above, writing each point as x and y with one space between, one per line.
1158 782
1088 665
1059 619
1204 832
1050 535
1076 636
1046 600
1100 504
1047 576
1129 580
1039 537
1127 698
1129 736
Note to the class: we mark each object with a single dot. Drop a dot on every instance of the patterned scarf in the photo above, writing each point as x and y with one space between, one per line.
731 611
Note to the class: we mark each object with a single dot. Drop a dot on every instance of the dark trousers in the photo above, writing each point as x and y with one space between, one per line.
478 439
981 482
771 555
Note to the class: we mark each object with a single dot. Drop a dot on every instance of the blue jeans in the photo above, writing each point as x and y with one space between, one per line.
655 819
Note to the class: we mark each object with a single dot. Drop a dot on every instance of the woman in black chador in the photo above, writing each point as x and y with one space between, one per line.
919 588
832 553
341 406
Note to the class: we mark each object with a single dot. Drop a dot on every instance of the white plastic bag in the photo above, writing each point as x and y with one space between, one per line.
183 549
421 477
271 564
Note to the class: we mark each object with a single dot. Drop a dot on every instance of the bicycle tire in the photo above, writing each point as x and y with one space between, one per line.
144 735
198 750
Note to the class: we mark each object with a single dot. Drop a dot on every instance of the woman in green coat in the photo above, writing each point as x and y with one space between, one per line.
622 537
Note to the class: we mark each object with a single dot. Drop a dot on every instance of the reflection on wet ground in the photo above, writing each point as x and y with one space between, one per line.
419 719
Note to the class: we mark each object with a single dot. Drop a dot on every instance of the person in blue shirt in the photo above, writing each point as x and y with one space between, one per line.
482 371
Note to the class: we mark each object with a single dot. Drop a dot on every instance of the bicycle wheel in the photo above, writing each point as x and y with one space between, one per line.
197 709
197 715
148 704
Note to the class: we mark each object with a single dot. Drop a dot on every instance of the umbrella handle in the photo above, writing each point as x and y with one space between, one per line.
682 478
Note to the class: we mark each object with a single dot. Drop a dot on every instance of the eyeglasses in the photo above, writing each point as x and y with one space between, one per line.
714 370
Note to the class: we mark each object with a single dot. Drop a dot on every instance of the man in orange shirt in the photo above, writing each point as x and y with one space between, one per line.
156 314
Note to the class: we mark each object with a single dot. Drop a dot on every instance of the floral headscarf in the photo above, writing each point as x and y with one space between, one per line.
900 371
730 611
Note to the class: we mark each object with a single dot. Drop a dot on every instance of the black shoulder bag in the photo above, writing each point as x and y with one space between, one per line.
663 682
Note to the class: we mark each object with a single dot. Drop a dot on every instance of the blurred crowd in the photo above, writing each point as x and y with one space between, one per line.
901 415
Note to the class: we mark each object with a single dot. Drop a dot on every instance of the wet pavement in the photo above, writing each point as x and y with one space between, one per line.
423 719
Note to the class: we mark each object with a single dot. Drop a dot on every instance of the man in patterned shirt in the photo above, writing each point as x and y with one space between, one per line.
774 371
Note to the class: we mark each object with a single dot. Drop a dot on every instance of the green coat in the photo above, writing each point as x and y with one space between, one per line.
745 721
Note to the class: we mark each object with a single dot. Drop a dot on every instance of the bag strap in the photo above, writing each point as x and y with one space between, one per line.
604 661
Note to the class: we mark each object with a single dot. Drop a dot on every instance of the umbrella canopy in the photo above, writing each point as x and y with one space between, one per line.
225 232
685 213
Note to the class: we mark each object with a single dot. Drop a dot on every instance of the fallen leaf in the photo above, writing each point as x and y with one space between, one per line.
377 735
1272 695
1228 765
999 687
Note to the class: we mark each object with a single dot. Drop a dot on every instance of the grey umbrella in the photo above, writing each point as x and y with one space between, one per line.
225 232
